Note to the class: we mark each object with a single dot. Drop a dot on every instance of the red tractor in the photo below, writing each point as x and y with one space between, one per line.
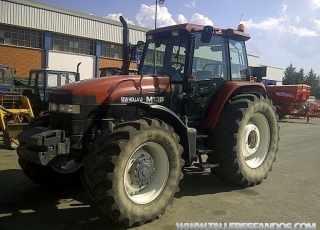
133 134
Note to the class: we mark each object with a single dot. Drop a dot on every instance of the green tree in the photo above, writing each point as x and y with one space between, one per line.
292 77
299 77
289 73
313 80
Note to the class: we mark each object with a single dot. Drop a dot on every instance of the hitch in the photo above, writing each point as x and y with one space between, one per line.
204 165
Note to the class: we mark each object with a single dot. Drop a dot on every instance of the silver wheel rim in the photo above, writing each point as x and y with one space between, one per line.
146 173
70 167
257 140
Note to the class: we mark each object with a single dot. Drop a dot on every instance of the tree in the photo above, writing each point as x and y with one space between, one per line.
292 77
299 77
289 73
313 81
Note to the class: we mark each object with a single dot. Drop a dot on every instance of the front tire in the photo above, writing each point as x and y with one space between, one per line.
132 174
245 140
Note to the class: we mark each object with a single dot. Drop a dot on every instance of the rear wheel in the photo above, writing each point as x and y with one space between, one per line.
245 140
132 174
53 177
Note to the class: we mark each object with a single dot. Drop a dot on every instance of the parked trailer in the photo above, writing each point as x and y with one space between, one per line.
292 100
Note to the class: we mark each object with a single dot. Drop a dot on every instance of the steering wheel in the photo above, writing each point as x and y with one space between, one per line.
209 64
181 65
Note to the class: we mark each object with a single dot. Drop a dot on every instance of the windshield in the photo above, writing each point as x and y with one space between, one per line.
54 79
209 59
165 56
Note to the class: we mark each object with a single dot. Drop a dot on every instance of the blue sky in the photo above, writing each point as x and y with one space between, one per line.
282 31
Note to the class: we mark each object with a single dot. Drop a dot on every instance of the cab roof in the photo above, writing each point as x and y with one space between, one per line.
188 28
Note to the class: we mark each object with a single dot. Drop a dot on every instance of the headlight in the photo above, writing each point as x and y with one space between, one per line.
53 107
65 108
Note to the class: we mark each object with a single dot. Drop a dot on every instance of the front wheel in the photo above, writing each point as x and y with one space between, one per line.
245 140
52 177
132 174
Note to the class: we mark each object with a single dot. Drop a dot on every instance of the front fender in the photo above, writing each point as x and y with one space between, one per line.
187 135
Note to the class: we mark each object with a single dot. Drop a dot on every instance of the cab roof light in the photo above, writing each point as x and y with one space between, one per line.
149 37
241 27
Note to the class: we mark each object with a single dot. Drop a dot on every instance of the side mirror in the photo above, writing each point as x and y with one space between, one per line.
206 34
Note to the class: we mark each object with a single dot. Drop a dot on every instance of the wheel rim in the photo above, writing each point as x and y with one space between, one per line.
146 173
70 167
257 140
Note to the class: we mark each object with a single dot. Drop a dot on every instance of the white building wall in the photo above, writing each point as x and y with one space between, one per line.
253 61
68 62
49 18
275 74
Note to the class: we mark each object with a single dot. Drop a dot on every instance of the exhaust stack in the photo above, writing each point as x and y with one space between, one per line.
125 47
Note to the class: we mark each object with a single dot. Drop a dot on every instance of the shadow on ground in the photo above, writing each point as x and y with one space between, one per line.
25 205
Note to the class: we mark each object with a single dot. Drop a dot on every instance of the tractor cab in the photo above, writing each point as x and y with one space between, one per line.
40 84
6 78
198 60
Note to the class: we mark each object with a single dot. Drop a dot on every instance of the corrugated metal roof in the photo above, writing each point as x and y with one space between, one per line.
45 17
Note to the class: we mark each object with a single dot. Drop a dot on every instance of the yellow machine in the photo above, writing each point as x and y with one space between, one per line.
15 114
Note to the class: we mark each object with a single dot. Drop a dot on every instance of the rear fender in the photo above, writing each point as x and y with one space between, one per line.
227 90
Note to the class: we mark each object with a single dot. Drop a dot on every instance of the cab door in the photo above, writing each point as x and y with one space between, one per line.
208 74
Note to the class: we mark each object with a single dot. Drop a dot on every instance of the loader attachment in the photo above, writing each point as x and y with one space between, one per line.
15 114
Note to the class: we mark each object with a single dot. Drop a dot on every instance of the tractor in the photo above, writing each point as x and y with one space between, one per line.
191 104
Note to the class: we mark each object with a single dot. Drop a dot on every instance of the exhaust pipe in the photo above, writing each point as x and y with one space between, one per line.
125 47
78 74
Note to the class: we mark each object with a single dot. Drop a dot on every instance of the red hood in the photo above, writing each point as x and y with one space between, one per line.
107 89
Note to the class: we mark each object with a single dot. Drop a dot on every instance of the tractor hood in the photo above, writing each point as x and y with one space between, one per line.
108 89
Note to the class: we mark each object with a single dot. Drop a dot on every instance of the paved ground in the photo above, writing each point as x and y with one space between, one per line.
290 194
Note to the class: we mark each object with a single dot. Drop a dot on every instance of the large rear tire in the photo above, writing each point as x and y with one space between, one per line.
51 177
132 174
245 140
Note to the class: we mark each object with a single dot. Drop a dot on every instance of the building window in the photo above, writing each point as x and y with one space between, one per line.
17 36
111 50
65 43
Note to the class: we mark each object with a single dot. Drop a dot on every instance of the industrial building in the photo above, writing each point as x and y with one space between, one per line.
35 35
272 75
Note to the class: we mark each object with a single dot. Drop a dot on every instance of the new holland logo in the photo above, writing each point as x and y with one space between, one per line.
147 99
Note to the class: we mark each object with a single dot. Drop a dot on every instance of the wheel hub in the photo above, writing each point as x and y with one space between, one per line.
252 139
142 171
142 182
256 140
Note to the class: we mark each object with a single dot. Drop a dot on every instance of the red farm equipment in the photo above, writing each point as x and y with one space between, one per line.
292 100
